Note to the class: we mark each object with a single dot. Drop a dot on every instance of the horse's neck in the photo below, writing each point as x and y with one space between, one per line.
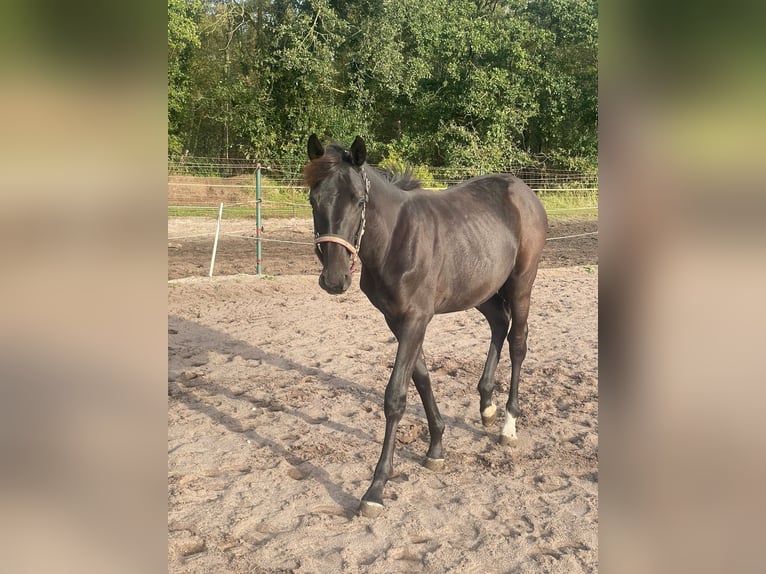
382 211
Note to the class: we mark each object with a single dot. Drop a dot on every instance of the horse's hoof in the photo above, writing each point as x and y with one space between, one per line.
506 440
370 509
489 415
434 464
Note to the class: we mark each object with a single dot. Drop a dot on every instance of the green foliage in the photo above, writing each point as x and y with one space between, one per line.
441 83
394 162
183 37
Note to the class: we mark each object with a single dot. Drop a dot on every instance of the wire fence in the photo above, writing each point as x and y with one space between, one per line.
197 187
195 183
290 173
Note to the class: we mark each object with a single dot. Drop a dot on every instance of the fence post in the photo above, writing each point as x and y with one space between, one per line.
215 241
258 225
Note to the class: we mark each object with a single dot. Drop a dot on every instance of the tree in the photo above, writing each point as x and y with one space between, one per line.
182 38
446 82
567 95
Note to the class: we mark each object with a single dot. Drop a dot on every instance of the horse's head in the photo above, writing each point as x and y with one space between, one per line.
339 189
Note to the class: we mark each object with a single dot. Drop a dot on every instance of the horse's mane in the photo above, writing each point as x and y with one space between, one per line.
320 168
405 180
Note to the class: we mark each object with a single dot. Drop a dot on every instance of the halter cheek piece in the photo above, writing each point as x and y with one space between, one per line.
352 249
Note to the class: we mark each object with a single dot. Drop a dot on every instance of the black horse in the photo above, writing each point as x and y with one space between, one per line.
477 244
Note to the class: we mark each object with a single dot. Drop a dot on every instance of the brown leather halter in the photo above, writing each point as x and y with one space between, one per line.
352 249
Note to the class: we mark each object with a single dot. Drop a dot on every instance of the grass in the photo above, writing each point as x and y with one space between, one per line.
228 212
583 201
242 211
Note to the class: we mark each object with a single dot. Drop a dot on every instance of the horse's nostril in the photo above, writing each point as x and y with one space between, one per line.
336 285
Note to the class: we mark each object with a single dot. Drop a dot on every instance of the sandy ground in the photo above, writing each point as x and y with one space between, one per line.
275 393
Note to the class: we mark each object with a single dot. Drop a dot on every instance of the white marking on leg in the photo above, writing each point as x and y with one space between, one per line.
509 428
489 412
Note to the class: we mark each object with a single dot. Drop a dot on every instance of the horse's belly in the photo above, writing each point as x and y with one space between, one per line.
463 301
470 280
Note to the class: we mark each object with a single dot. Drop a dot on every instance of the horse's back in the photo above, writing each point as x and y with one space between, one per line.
500 205
520 209
499 191
466 241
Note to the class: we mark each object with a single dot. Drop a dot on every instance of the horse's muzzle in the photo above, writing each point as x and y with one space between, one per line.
338 257
334 283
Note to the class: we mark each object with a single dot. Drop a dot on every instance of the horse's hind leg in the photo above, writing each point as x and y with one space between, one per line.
498 317
434 458
521 291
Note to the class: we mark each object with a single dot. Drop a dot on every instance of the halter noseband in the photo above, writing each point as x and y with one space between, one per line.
352 249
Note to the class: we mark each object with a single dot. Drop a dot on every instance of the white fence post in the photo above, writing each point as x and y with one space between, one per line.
215 241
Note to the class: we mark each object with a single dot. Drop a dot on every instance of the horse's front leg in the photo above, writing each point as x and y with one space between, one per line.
410 334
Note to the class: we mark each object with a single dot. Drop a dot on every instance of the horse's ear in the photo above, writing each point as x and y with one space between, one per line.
315 147
358 151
